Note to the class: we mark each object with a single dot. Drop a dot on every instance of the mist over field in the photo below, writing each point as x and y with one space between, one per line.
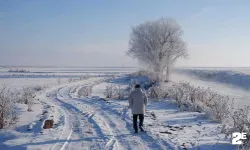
72 74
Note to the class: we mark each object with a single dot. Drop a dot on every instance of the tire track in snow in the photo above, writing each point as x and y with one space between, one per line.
106 112
64 136
66 128
67 141
73 113
147 138
124 139
112 143
120 129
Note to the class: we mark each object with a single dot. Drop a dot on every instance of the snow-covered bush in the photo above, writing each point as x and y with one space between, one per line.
28 97
37 88
219 108
176 92
85 91
8 114
156 93
199 99
116 91
17 95
109 91
120 92
239 122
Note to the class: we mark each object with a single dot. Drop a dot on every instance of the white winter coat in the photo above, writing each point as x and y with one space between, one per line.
138 101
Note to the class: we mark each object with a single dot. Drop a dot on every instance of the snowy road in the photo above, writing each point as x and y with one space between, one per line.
92 124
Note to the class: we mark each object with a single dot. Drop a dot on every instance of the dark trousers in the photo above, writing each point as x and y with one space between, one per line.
141 118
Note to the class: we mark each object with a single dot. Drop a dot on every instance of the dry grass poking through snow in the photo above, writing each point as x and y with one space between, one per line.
219 108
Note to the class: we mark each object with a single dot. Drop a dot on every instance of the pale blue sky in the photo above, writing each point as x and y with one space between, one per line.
96 32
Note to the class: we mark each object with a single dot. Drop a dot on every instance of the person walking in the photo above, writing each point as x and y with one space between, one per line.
137 102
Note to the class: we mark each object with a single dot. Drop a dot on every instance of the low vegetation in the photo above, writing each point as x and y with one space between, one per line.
219 108
8 113
198 99
116 91
18 70
10 97
85 91
28 97
71 80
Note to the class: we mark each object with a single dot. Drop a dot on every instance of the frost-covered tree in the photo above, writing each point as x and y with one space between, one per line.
158 44
28 97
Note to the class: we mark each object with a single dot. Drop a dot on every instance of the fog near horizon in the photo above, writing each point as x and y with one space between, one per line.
91 33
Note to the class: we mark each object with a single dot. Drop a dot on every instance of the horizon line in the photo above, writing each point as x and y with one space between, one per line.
54 66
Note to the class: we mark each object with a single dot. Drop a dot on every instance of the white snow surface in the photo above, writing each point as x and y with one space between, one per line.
61 72
92 123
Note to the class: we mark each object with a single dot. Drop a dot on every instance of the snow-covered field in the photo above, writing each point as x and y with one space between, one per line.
91 123
61 72
50 75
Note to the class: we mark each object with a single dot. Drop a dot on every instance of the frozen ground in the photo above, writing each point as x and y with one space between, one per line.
91 123
175 128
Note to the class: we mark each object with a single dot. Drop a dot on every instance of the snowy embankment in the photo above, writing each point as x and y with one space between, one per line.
234 78
211 80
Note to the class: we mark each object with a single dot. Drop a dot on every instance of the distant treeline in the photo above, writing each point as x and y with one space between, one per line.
18 70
